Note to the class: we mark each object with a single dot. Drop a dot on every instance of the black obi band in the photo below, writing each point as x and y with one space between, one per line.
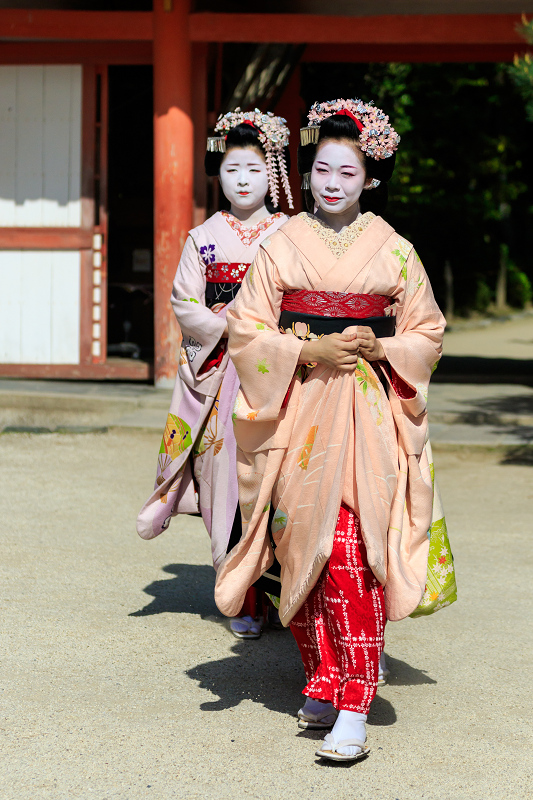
382 327
220 293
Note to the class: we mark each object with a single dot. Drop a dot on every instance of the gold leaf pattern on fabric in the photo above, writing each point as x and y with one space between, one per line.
209 432
305 455
163 462
338 243
176 437
171 489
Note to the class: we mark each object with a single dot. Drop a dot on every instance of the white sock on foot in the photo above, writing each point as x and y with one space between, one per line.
349 725
312 706
383 672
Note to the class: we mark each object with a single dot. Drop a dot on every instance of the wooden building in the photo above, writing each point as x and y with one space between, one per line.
103 118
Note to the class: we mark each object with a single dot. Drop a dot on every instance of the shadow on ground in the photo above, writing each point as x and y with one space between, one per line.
521 456
267 670
477 369
189 592
402 674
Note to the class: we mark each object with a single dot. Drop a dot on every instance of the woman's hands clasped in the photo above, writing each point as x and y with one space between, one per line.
369 347
341 350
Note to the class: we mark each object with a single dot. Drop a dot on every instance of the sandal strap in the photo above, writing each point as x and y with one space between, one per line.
348 743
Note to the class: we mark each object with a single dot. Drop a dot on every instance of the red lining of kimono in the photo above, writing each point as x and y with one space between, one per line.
336 304
402 389
214 359
226 272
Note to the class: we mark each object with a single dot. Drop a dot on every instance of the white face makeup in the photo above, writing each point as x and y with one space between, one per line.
337 178
243 177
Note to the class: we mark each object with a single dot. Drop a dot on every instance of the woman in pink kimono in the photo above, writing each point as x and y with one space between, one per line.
334 336
196 471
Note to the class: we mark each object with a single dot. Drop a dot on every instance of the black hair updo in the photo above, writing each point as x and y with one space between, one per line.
340 126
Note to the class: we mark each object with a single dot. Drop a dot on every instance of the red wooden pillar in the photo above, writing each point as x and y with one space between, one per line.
173 171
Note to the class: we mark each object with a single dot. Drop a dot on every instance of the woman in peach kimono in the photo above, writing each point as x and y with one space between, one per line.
196 471
334 337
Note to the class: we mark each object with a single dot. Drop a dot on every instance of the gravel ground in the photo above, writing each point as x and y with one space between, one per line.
121 682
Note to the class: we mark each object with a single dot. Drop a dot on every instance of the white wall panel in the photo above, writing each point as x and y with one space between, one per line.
29 157
40 307
56 134
65 308
40 130
8 138
10 306
36 280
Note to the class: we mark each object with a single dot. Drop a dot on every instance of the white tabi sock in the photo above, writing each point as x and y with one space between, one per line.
349 725
383 671
312 706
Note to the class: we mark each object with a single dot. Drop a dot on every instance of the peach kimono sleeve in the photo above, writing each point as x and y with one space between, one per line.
415 350
264 358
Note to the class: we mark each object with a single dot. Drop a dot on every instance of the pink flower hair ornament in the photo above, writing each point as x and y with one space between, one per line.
273 134
377 138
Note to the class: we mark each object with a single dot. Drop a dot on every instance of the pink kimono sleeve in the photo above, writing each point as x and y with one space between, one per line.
415 350
264 358
201 328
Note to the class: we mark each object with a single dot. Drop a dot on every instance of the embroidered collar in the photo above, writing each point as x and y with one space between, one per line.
249 235
338 243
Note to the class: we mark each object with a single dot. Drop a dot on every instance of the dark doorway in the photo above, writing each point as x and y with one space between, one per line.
130 208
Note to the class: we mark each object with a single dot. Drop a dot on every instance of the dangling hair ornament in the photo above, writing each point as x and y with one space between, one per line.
306 180
377 138
273 135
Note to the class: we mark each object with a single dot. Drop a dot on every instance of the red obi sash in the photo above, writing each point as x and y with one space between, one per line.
222 272
336 304
309 314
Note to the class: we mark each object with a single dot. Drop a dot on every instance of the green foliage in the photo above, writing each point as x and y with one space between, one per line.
519 287
521 71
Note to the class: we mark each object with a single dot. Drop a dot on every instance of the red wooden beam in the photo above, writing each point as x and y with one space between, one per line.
45 239
113 369
110 52
21 24
390 29
430 53
76 25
